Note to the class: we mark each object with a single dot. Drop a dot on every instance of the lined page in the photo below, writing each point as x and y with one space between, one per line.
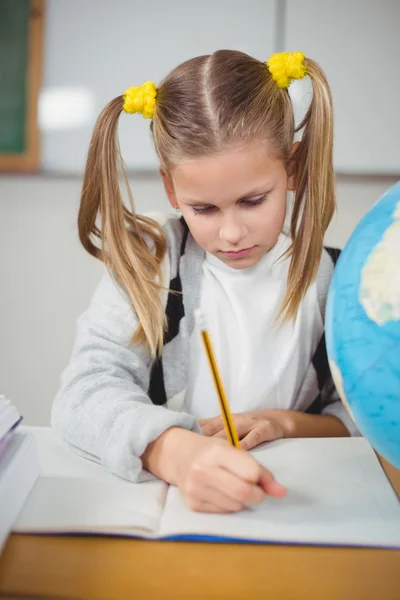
337 494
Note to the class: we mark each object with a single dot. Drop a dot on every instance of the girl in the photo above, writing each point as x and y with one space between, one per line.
137 392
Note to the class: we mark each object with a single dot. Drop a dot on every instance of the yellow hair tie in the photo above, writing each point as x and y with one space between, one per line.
141 99
286 66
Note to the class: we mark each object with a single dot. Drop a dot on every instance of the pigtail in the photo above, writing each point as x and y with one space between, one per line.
314 200
113 233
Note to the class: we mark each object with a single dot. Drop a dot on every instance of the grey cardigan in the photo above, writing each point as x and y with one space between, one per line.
115 399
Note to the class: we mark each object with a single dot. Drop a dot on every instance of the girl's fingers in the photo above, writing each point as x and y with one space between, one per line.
236 493
245 467
215 500
243 424
220 434
239 463
265 432
210 427
207 507
216 428
270 486
243 427
236 489
224 479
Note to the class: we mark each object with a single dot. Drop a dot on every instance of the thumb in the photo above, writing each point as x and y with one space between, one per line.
270 486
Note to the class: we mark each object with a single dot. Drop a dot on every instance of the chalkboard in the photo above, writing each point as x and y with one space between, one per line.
20 66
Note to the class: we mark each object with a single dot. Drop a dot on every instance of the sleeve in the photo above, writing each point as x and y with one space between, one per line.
331 402
102 409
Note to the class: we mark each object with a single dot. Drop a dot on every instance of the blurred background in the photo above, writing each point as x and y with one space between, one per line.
73 56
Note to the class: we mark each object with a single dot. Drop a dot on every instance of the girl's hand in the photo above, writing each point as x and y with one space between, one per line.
215 477
253 427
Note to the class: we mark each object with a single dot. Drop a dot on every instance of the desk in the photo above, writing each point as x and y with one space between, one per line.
80 568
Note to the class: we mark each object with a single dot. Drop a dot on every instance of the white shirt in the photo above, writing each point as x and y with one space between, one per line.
262 363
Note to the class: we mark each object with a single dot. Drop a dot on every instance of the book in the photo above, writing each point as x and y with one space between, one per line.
19 469
338 494
9 416
19 466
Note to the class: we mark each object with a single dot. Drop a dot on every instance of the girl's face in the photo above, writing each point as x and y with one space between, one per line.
233 203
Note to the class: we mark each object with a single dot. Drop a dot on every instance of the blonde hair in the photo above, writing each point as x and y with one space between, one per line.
203 107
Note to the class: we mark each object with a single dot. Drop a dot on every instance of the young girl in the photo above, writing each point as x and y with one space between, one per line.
137 393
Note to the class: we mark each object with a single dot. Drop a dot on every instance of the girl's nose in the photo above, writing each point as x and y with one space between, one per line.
232 231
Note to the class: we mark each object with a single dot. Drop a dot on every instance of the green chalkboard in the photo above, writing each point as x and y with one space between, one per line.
21 37
14 26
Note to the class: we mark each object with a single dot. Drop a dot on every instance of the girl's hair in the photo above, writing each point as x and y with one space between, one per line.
203 107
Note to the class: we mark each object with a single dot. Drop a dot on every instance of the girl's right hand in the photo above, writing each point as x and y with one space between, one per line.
214 477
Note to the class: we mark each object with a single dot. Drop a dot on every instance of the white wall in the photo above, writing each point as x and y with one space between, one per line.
356 43
127 43
46 281
47 278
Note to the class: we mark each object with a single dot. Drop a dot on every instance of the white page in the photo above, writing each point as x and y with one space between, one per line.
73 494
337 494
67 505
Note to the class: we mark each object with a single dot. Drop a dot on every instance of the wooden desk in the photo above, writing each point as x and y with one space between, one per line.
108 568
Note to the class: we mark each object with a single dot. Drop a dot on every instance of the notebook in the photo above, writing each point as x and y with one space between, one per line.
338 494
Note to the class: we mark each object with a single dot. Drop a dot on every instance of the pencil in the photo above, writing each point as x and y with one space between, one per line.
229 424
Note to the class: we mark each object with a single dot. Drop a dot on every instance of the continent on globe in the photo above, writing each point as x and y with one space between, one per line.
337 378
380 277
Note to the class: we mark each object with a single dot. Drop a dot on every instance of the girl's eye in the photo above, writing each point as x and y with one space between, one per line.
254 201
207 210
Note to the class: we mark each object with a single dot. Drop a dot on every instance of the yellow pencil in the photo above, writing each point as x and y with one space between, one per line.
229 424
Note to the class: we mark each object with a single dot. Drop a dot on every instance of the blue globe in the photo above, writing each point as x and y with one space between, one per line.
363 326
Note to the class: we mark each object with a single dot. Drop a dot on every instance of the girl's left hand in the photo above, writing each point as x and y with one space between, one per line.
253 427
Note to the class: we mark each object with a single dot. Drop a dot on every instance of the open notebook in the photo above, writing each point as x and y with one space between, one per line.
338 494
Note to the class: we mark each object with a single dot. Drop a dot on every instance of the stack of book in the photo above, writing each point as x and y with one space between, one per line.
19 466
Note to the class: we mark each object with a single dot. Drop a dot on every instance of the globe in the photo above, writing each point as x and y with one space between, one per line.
363 326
